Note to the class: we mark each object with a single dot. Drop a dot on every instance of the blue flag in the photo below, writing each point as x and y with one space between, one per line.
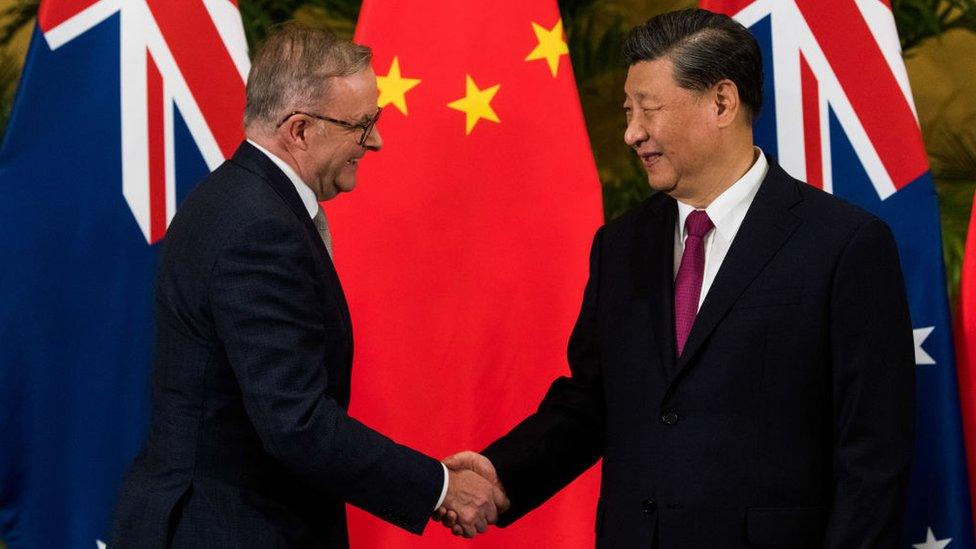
122 106
839 115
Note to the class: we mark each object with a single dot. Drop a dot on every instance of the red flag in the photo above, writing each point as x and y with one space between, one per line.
464 249
966 352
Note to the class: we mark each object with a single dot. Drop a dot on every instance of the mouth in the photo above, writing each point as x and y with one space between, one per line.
650 158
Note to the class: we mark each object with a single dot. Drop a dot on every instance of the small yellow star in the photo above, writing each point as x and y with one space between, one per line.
551 45
394 88
476 104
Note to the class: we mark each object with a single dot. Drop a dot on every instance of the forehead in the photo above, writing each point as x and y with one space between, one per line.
650 79
354 95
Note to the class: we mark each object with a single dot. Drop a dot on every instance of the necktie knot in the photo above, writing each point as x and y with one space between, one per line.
698 223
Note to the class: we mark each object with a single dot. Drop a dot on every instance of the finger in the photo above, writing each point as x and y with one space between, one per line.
481 526
491 514
450 519
501 500
439 514
457 530
470 531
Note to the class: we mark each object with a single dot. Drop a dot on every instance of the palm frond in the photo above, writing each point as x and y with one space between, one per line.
15 17
920 19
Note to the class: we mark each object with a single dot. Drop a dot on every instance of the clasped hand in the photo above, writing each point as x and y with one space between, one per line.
475 496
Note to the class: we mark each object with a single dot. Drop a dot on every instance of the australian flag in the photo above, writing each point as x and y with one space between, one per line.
839 115
122 106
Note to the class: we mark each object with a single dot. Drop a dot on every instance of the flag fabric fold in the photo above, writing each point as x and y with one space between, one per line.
122 107
966 348
463 250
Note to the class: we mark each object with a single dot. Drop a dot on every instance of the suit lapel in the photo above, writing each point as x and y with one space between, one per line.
255 161
766 227
653 266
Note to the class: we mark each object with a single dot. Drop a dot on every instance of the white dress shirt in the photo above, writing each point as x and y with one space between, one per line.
304 191
312 205
726 212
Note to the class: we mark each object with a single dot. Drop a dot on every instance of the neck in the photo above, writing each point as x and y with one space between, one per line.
272 145
728 169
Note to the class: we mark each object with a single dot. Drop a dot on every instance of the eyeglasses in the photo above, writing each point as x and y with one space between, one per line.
366 127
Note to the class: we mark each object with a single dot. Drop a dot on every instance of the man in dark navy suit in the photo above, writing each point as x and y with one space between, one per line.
250 444
743 361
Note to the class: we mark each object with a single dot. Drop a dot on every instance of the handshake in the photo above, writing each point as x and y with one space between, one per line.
475 497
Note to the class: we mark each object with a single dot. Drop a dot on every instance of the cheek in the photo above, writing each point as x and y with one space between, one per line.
693 133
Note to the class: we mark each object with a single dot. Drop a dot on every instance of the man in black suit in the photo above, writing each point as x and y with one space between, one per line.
250 444
743 361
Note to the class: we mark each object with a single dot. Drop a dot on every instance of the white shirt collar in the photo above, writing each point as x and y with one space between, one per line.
729 208
304 191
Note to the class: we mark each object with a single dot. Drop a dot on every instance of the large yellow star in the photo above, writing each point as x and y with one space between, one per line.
551 45
476 104
394 88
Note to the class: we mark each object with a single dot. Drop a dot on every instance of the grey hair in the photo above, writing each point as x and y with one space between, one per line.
704 48
292 70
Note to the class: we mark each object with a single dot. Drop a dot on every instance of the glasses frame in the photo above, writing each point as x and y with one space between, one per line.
366 127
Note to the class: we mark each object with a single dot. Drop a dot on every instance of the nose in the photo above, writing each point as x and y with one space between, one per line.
375 141
635 134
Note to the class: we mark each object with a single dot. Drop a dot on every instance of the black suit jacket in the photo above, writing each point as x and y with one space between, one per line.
250 444
788 420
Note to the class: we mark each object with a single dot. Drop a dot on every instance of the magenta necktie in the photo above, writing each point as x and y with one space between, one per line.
688 283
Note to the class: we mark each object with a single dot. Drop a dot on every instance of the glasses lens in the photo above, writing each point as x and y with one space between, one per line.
369 128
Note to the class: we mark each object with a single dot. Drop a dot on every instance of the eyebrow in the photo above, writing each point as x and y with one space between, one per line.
365 118
639 96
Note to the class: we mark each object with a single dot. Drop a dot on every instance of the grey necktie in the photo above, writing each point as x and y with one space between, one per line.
322 225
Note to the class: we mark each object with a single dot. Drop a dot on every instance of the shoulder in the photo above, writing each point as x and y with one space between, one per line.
229 199
231 208
830 216
656 207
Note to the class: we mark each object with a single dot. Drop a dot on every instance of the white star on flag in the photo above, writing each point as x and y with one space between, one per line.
100 544
921 334
932 543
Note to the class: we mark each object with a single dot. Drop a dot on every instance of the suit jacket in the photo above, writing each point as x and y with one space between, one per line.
249 443
788 419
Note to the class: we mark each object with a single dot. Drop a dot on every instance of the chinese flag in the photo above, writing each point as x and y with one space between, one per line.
464 249
966 351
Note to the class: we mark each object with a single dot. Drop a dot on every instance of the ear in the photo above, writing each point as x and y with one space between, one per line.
727 105
295 132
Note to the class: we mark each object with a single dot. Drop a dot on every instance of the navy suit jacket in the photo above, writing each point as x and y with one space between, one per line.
249 443
787 421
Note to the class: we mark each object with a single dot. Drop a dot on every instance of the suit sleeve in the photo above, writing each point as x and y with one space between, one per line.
565 436
269 317
873 362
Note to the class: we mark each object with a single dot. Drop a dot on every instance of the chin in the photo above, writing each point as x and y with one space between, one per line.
660 185
345 186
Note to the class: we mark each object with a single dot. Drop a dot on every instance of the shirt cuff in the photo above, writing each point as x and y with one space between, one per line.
444 489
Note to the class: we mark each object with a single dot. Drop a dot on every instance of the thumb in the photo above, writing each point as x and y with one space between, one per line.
473 461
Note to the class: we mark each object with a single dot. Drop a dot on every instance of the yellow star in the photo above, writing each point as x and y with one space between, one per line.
476 104
551 45
394 88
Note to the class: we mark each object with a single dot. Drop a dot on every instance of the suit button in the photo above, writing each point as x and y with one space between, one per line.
648 506
669 417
